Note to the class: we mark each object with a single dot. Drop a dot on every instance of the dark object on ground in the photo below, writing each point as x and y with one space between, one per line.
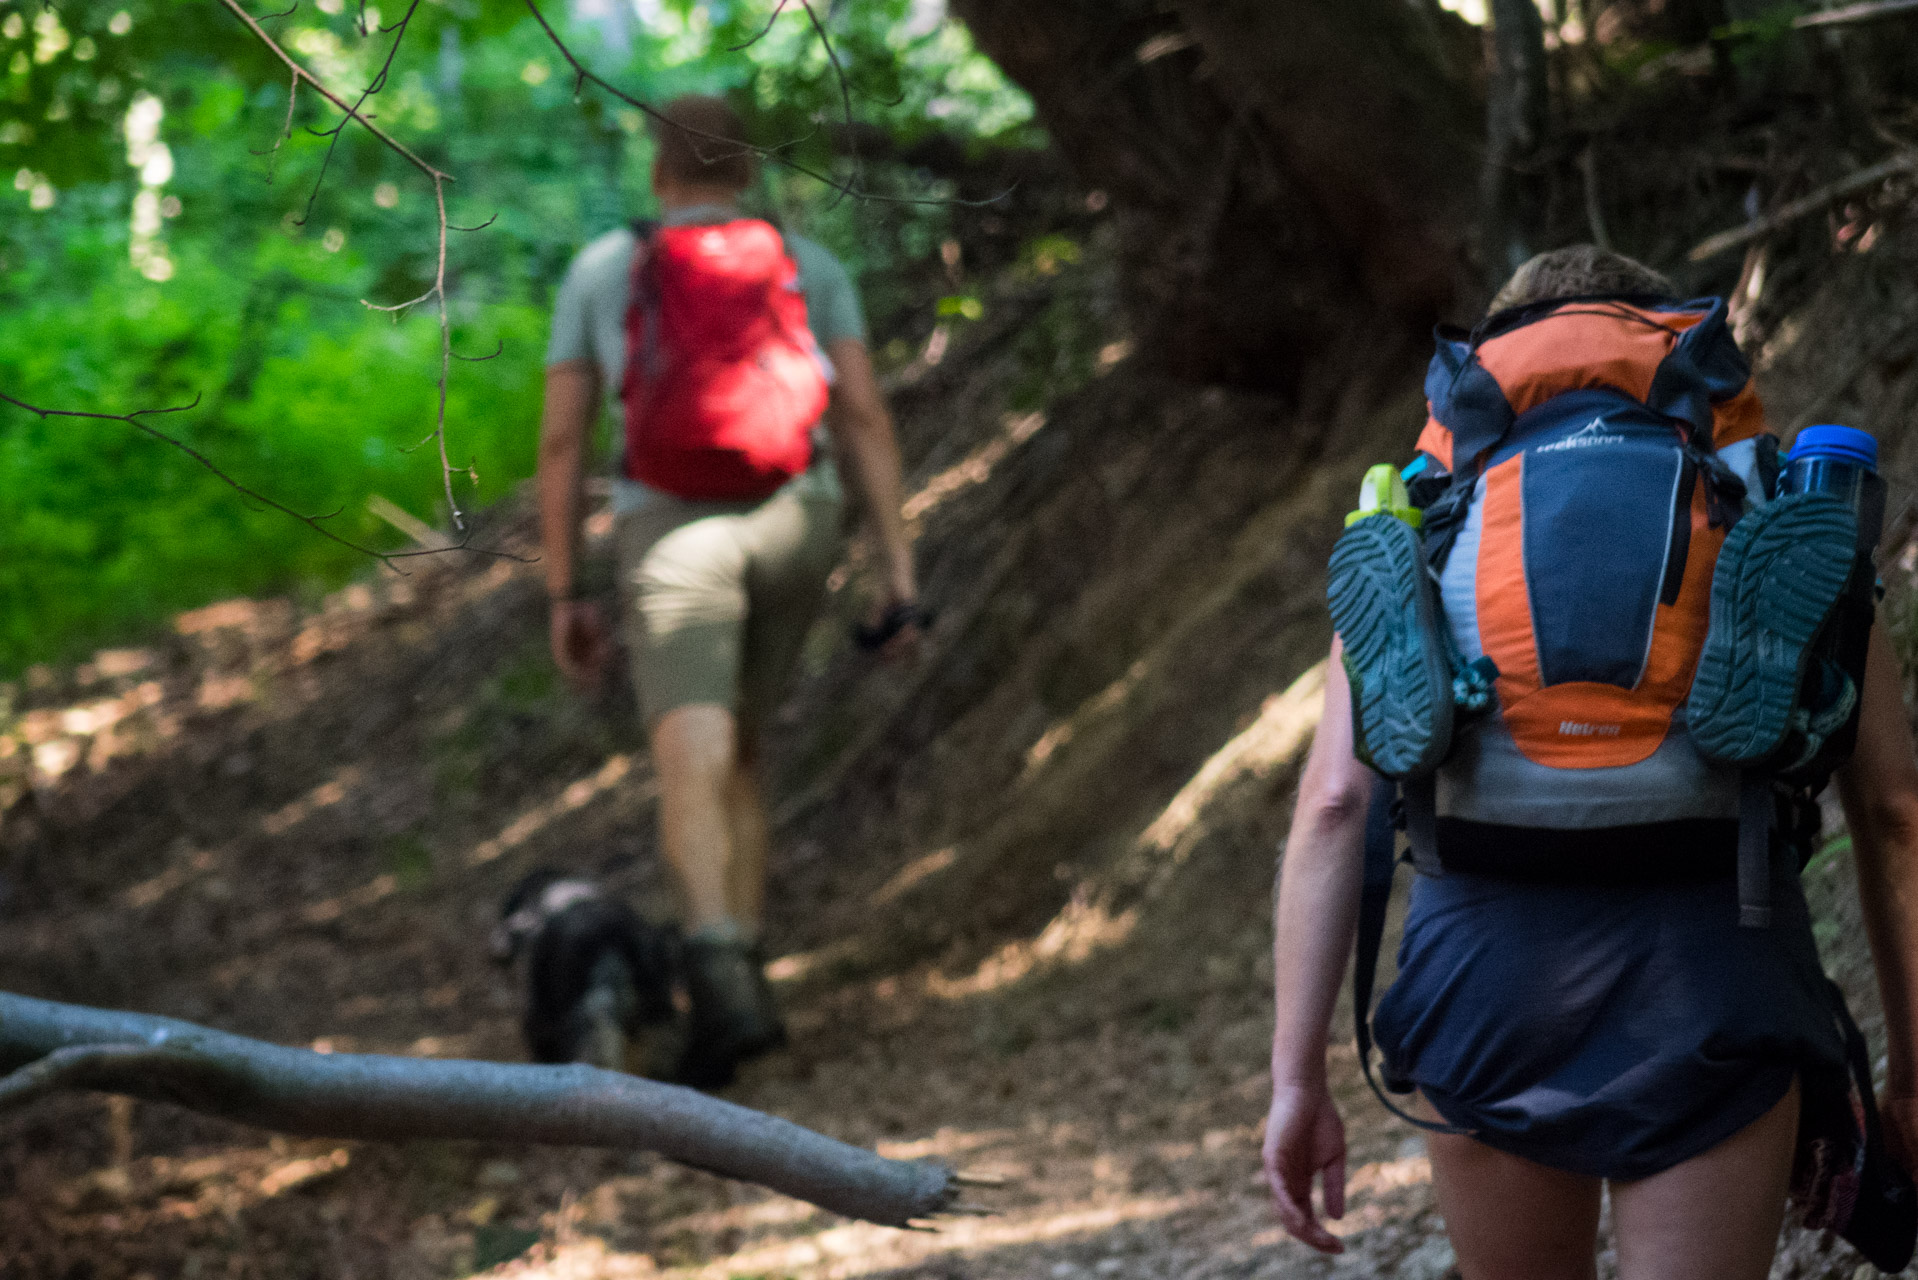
599 978
734 1016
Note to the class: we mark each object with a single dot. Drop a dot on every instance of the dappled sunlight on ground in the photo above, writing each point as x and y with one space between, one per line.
1284 728
1071 938
574 796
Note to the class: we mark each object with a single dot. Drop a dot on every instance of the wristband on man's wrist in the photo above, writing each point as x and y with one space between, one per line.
901 615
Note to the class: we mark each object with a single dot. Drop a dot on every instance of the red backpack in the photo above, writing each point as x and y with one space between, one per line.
723 379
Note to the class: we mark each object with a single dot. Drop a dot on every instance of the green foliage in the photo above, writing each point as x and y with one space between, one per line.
160 242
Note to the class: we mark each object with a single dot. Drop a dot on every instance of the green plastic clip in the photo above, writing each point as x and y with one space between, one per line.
1382 492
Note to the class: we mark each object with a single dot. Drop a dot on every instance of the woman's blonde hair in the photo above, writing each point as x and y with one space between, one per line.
1577 271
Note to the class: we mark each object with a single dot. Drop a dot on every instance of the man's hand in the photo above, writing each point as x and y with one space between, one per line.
1304 1137
895 630
582 645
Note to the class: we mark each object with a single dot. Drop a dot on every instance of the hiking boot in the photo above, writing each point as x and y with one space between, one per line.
1385 608
734 1016
1778 577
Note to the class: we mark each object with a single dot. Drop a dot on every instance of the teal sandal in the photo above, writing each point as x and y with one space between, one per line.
1384 606
1778 577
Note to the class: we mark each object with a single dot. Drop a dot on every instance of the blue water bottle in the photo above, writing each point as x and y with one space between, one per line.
1842 461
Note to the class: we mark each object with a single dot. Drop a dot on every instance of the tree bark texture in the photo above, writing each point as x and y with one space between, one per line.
1293 175
46 1045
1517 122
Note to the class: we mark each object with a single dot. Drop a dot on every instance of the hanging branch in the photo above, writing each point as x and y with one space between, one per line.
439 178
313 522
845 92
136 421
48 1046
582 75
374 86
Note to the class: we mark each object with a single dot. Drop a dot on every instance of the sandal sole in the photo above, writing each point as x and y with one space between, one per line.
1386 613
1778 577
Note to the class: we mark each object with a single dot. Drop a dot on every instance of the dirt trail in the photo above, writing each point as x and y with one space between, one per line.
1020 892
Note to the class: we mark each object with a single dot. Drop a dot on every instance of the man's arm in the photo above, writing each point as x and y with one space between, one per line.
572 402
862 430
572 393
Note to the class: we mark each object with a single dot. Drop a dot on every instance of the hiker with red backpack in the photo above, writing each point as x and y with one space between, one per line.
731 349
1598 649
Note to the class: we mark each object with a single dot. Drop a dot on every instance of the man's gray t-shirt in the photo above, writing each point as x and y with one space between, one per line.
589 318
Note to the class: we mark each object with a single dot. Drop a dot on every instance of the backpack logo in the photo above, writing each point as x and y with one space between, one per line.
1588 436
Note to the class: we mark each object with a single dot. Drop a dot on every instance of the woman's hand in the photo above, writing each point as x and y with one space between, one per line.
1304 1138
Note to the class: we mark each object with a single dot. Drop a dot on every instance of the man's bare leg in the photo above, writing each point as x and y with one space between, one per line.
709 812
751 838
695 755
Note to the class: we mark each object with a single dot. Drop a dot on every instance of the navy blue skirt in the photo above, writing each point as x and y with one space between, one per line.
1611 1032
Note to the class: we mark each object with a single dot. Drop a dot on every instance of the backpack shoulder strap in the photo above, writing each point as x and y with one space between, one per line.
1375 897
643 356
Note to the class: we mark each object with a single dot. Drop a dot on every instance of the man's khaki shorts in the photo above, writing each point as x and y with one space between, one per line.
716 597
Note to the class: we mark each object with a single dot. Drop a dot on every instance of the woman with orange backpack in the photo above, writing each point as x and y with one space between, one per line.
1605 656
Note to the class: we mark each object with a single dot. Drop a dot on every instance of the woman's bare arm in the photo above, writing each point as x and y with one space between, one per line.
1318 900
1313 926
1879 788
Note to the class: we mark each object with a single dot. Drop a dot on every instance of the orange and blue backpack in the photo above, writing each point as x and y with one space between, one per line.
1594 453
1647 708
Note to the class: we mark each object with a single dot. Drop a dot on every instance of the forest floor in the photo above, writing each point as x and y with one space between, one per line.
1020 891
288 875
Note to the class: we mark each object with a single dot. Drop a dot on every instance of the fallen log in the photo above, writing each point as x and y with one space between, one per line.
46 1046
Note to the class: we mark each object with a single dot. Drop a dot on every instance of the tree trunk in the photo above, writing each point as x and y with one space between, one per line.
1293 175
1517 121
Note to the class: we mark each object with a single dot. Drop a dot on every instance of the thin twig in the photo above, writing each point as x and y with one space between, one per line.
439 177
301 73
374 86
313 522
777 10
1805 205
845 93
584 75
134 420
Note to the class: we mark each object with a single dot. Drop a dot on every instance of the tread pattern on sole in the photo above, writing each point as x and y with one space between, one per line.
1384 608
1778 577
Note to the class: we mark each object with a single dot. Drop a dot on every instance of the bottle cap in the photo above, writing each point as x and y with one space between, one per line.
1840 444
1382 492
